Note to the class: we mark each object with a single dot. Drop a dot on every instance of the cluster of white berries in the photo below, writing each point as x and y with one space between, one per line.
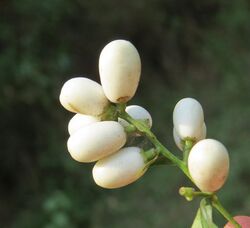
93 136
208 160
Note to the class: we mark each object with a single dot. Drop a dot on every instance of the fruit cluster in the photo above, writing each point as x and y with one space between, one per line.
96 132
103 126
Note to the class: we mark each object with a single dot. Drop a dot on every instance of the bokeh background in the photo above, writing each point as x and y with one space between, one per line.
192 48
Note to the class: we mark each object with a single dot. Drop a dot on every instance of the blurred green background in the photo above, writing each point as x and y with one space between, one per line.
192 48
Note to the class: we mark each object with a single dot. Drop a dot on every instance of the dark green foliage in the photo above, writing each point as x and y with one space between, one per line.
188 48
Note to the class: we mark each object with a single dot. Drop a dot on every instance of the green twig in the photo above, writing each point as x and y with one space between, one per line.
143 128
189 193
188 144
217 204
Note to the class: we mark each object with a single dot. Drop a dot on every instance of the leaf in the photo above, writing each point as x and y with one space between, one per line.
206 211
203 217
197 220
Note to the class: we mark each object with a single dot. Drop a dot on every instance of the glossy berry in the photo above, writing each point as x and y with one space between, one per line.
138 113
82 95
96 141
188 118
79 121
120 70
119 169
200 135
208 164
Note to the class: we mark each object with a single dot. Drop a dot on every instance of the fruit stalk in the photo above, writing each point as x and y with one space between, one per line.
187 147
217 205
141 126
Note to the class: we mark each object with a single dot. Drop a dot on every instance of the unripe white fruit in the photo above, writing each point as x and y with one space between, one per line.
120 70
82 95
80 120
208 164
177 140
201 135
188 118
119 169
96 141
139 113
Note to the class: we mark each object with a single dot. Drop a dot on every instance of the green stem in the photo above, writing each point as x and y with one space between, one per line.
188 144
189 193
130 128
142 127
217 204
149 155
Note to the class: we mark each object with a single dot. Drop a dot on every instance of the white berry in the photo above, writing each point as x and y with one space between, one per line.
79 121
139 113
208 164
82 95
188 118
199 136
96 141
119 169
119 69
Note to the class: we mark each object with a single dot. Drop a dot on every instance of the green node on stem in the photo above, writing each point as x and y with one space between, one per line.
189 193
130 128
110 113
149 155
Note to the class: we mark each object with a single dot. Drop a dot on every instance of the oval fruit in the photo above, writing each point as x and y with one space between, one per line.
96 141
120 70
80 120
82 95
208 164
201 135
188 118
119 169
138 113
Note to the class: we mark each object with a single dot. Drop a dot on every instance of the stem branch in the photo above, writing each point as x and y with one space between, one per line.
217 204
188 144
143 128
